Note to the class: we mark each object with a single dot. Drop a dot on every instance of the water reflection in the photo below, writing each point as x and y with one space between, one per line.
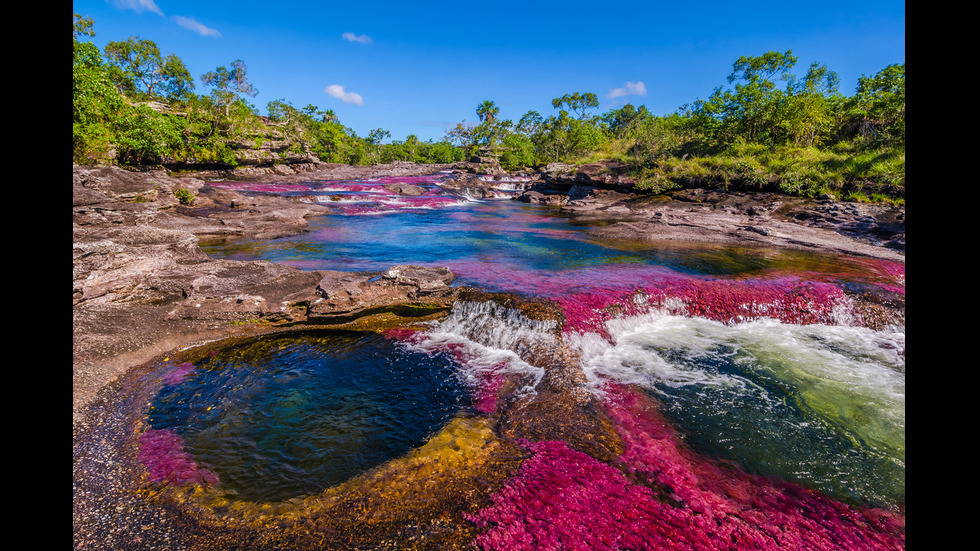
490 243
783 411
290 416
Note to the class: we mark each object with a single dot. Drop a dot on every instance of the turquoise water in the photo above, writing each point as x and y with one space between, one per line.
288 416
501 244
822 404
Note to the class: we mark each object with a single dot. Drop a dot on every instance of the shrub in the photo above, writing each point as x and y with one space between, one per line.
184 196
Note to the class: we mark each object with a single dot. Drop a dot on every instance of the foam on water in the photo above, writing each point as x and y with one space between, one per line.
489 342
737 379
819 404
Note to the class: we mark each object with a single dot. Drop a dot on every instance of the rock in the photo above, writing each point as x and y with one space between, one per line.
345 295
586 187
759 230
427 280
588 196
537 197
404 189
142 287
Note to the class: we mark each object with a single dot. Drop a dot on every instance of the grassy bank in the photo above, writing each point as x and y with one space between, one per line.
844 171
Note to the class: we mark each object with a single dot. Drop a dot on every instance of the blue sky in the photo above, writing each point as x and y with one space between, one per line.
420 67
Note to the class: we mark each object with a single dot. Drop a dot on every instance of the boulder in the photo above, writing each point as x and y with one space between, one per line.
404 189
588 186
346 295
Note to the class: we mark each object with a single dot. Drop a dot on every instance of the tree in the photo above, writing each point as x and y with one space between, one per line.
879 103
139 69
761 69
754 109
811 105
81 26
491 129
95 101
530 123
623 121
378 136
375 138
487 111
229 83
84 53
577 103
461 135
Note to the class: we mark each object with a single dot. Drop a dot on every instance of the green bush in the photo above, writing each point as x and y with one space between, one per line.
184 197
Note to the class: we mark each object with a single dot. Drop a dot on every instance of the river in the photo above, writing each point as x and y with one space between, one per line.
710 396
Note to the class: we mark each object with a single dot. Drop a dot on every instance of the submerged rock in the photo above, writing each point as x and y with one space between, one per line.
552 463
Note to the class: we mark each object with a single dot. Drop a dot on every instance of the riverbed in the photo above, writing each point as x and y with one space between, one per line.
673 395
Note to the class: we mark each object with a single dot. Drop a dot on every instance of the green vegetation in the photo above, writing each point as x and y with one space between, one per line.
133 105
772 127
184 197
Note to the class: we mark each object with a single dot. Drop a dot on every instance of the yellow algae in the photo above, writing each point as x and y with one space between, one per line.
415 501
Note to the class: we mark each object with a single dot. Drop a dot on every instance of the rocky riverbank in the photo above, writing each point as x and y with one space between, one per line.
143 288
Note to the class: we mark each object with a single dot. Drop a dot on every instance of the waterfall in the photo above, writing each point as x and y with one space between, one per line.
491 341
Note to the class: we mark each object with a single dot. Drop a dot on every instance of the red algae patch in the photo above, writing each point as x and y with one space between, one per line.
729 508
786 298
162 452
658 495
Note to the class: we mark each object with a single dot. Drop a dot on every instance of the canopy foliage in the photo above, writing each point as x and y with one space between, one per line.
769 109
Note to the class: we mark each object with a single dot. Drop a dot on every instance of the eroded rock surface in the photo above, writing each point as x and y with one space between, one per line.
141 286
344 295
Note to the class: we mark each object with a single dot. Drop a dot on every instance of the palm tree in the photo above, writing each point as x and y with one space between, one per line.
487 111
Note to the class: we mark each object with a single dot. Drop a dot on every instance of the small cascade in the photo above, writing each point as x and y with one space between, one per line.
580 393
492 344
363 197
822 405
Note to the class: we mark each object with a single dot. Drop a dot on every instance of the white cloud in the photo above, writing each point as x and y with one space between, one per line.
193 24
138 6
631 89
338 92
362 38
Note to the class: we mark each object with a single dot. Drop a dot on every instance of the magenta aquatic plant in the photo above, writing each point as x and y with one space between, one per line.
264 188
354 187
661 496
179 373
786 298
162 452
730 505
394 203
564 499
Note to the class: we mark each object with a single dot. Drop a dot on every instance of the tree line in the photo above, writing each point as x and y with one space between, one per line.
771 127
772 123
133 105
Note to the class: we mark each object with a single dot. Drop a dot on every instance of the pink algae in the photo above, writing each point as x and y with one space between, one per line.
179 373
661 496
487 395
788 299
162 452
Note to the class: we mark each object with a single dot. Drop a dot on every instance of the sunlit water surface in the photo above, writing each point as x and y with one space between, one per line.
822 404
288 416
